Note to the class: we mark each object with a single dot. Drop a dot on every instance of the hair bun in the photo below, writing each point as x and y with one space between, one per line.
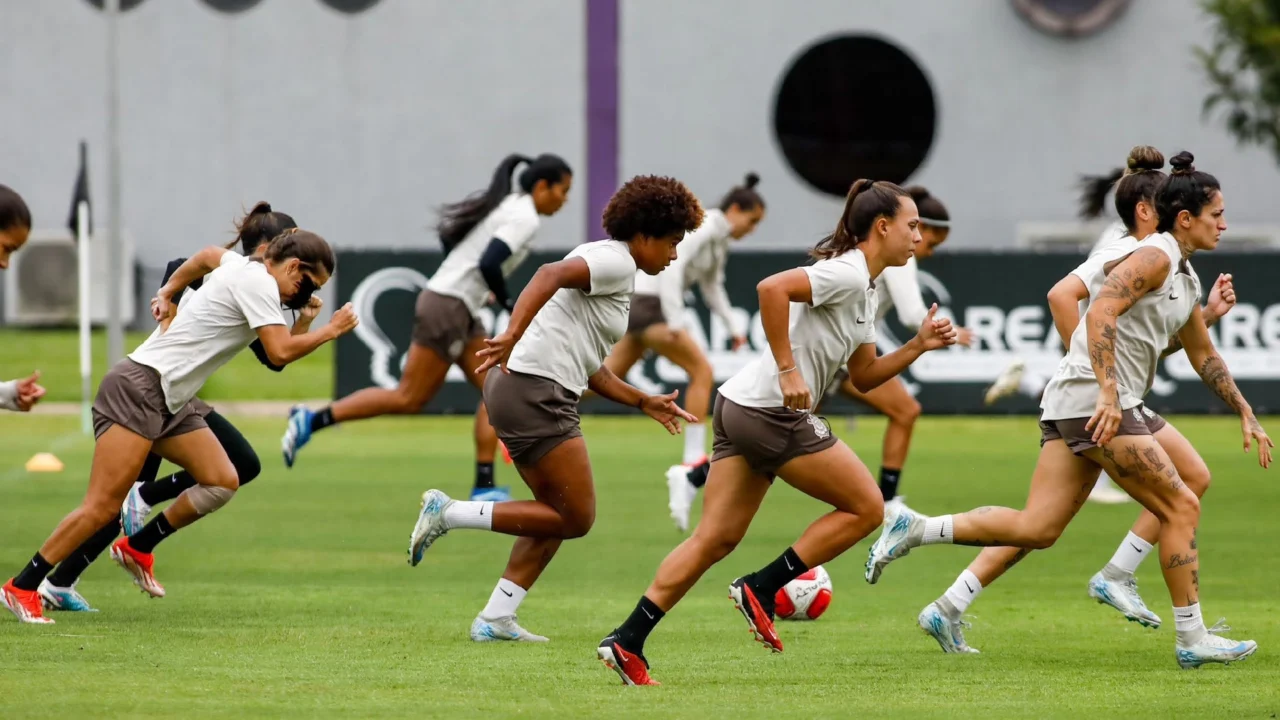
751 180
262 208
1143 158
1183 163
917 192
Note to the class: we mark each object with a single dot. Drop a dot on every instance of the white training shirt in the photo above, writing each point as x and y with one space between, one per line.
700 258
212 325
1143 333
899 287
9 395
571 335
514 222
824 334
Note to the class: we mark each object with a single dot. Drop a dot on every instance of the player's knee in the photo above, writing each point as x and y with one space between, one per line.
1184 509
719 547
407 401
701 374
99 512
907 414
1198 480
1040 535
247 466
207 499
872 514
578 523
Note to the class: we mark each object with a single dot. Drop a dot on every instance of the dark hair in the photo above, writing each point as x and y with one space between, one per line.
1142 176
651 206
1185 189
14 212
867 200
1094 190
307 246
459 218
744 195
260 226
932 212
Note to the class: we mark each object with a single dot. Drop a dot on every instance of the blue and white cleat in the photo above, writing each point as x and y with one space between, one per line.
297 434
60 598
1123 596
134 512
430 526
503 628
903 529
946 629
1212 648
493 494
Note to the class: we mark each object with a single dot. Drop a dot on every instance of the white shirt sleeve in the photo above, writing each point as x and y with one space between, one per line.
711 283
256 294
517 232
612 273
904 289
9 395
671 294
831 281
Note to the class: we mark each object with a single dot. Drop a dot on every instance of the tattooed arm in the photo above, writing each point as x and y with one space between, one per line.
1137 274
1222 297
1213 371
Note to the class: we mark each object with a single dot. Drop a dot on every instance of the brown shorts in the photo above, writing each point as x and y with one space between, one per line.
130 396
1134 421
444 325
646 311
767 438
200 407
532 415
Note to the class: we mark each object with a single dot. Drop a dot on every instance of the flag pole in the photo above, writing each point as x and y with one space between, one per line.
115 240
86 351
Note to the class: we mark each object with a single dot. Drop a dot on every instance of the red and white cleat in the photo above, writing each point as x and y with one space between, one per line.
26 604
631 667
138 565
758 618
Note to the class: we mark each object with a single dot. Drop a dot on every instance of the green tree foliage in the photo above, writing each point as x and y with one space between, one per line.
1243 66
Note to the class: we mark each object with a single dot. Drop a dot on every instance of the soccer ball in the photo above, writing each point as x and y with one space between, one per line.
806 597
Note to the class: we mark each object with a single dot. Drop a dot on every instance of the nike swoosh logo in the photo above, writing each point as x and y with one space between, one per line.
481 511
1173 297
788 560
966 584
1135 547
646 612
504 592
862 320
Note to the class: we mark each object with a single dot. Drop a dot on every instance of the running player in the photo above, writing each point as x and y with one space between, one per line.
15 227
1093 414
561 329
657 321
764 427
144 402
485 236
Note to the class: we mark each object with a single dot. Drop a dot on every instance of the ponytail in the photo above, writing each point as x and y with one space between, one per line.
260 226
460 218
1094 190
867 201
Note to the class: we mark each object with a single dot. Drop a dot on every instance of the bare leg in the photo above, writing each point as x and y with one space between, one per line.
679 348
486 438
835 476
423 374
200 454
568 508
902 410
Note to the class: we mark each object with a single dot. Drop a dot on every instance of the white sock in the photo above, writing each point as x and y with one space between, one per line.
695 443
1128 557
963 591
504 601
1032 384
938 530
1189 624
469 514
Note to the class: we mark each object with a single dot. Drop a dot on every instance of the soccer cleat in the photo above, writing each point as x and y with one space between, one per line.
503 628
297 434
506 455
139 565
680 496
134 512
759 618
1006 384
1105 492
898 505
631 667
902 530
25 604
1212 648
63 598
1123 596
947 629
492 494
430 526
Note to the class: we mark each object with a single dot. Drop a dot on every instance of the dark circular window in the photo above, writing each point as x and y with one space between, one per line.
350 6
1070 17
231 6
854 106
125 5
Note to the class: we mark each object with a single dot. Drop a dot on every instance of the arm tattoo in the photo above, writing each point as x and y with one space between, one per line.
1175 344
1215 375
1122 288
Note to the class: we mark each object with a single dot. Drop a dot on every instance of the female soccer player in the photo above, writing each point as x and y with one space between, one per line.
561 329
15 226
656 323
1093 414
764 428
253 234
485 236
145 401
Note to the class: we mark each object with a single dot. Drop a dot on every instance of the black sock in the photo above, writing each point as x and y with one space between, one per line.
166 488
889 483
70 570
33 573
146 539
322 419
484 475
698 474
632 633
767 581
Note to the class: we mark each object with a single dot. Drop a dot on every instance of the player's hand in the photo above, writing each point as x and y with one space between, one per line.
964 337
496 352
664 409
795 391
161 306
310 310
1105 422
29 392
1222 297
738 342
1252 430
343 321
935 332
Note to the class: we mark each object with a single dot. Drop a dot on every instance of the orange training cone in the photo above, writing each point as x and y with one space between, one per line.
44 462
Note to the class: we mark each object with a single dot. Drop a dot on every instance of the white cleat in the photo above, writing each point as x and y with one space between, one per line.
902 531
680 495
1123 596
897 505
430 526
134 512
1212 648
1006 384
947 628
63 598
1105 492
503 628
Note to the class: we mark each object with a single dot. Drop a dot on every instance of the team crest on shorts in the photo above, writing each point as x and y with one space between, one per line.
1137 415
1148 411
819 428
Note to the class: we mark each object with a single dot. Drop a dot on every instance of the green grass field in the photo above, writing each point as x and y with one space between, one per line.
297 601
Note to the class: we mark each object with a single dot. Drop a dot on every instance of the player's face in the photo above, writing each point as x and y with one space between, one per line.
654 254
549 197
11 241
930 239
743 222
902 232
1207 227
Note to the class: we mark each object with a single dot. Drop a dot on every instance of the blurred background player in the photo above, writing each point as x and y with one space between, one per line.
15 227
485 236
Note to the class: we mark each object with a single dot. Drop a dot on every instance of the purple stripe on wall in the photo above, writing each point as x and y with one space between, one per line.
602 110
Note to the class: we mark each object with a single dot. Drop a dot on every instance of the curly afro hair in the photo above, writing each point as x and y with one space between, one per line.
652 206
